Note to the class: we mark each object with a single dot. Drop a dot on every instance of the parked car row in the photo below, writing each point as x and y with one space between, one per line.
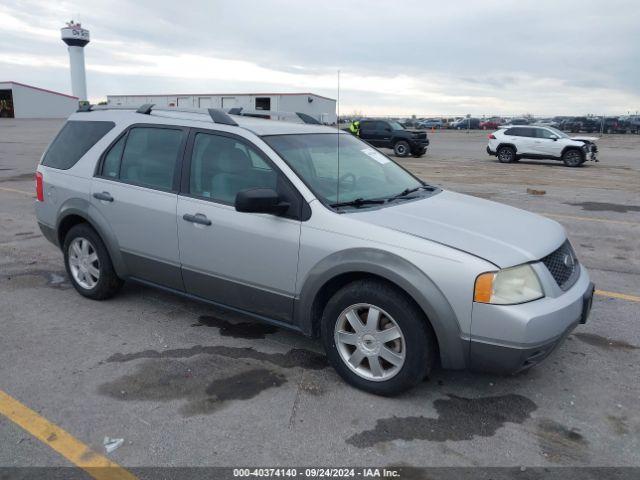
586 124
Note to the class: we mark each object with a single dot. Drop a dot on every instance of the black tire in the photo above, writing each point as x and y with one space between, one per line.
573 157
506 154
401 148
108 282
419 338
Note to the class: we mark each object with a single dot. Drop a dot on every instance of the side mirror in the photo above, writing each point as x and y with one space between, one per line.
260 200
554 137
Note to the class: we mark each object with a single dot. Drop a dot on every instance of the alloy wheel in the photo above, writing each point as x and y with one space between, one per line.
370 342
84 263
573 158
505 155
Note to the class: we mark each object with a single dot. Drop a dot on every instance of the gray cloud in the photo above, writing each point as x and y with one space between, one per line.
453 57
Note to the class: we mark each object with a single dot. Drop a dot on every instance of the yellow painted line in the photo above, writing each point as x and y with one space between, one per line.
15 190
621 296
589 219
97 466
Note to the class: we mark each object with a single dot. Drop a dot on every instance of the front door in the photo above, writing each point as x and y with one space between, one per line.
135 191
246 261
546 143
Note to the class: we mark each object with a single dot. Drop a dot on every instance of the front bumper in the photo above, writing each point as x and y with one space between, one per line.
510 338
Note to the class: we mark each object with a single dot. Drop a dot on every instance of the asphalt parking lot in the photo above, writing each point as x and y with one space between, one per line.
185 385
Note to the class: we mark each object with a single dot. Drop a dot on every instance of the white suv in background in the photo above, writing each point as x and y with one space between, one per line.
511 143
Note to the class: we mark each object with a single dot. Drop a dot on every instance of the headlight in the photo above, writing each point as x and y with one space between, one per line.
508 286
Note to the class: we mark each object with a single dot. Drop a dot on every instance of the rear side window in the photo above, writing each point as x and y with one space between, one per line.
145 156
74 140
521 132
368 126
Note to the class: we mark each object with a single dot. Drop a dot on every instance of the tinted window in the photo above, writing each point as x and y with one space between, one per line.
150 155
369 126
521 132
222 166
74 140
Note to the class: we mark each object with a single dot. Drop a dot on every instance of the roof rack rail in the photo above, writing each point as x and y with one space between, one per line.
269 114
220 116
308 118
84 107
217 115
146 108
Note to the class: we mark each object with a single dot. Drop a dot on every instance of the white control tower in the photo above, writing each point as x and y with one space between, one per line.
76 38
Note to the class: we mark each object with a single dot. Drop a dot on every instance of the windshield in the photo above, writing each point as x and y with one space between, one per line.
364 172
396 126
559 133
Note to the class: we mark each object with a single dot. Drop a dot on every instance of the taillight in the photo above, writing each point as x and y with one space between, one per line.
491 136
39 187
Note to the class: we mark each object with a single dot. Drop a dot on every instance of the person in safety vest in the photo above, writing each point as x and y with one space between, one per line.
355 128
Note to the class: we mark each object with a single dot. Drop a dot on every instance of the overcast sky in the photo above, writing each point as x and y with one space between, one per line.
396 56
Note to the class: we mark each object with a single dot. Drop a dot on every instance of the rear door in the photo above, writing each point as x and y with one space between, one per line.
523 138
135 190
368 131
241 260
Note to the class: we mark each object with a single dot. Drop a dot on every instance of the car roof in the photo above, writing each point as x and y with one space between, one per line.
258 126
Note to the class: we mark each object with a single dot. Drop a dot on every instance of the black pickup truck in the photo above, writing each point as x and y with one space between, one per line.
390 134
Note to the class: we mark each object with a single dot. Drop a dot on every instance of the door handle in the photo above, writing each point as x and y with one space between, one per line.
198 218
104 196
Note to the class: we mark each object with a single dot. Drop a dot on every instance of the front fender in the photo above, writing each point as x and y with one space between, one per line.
453 349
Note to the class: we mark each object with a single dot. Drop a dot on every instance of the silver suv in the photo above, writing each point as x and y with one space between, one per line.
309 228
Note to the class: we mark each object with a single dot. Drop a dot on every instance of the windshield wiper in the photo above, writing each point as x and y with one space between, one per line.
358 202
408 191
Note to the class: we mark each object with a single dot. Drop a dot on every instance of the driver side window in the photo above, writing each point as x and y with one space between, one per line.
544 133
222 166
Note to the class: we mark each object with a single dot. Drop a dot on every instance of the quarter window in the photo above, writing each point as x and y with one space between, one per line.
74 140
222 166
111 165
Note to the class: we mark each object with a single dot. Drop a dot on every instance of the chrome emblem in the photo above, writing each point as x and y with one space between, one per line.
568 260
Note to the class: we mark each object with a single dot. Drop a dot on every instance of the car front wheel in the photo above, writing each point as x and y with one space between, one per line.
572 158
376 338
401 148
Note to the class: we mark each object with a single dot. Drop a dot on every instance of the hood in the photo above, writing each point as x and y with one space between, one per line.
586 139
504 235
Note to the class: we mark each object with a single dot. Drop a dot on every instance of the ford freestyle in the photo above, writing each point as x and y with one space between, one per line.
309 228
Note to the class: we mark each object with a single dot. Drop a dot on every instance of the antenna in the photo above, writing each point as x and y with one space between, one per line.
338 138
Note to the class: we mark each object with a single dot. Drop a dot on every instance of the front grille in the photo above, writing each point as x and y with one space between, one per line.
563 265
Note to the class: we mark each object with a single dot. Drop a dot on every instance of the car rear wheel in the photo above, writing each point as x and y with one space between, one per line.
88 264
376 338
401 148
572 158
506 154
